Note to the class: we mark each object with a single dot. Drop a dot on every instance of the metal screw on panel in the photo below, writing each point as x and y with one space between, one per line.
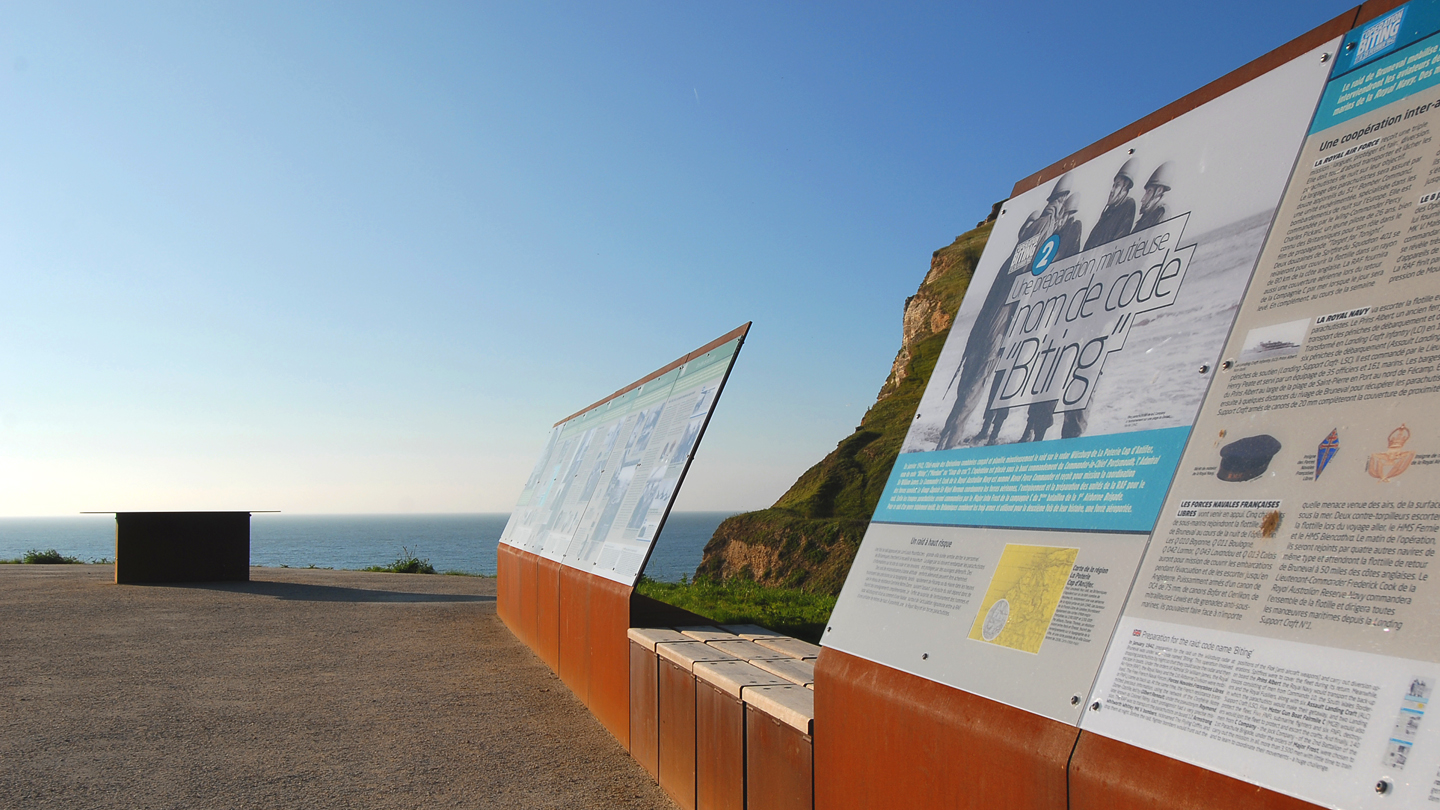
1130 151
1227 365
1095 707
828 629
1204 368
924 656
1349 46
1324 57
1383 786
1074 700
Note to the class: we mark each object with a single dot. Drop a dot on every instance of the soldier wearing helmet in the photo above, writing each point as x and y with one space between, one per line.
1152 212
1040 416
1119 215
1152 209
978 364
1069 228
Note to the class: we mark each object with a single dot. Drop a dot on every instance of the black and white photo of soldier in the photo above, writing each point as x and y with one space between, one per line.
1152 207
1228 161
1152 211
1041 415
978 364
1118 218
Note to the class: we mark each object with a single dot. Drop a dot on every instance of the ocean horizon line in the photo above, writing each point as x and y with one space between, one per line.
450 541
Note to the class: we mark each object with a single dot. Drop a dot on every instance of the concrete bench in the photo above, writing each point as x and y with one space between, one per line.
797 671
675 699
793 647
751 631
780 748
722 717
747 650
645 695
708 633
720 688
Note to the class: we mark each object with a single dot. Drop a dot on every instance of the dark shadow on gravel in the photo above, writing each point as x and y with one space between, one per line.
297 592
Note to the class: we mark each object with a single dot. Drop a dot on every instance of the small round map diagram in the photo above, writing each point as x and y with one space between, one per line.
995 620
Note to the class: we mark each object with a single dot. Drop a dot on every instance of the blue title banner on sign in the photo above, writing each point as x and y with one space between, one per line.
1391 58
1111 483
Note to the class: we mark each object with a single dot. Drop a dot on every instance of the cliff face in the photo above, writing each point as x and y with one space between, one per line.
808 539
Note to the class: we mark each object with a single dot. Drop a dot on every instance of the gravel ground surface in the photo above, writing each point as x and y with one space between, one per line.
301 688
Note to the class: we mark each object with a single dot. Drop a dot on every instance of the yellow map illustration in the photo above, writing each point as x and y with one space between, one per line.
1022 597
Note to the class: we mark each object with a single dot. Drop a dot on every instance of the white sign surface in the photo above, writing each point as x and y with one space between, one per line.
1014 520
603 486
1289 577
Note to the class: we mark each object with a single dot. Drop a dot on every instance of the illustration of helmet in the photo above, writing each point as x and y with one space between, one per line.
1128 171
1398 437
1072 203
1163 176
1062 186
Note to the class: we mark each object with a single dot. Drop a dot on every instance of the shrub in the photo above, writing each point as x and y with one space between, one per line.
407 563
48 557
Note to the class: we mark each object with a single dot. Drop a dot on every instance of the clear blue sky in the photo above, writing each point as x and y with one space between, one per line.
356 257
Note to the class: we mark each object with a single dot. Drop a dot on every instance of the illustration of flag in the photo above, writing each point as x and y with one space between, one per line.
1327 451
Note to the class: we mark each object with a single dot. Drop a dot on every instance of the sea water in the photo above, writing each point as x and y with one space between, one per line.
450 542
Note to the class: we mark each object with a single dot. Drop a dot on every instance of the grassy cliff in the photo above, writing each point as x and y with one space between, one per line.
808 539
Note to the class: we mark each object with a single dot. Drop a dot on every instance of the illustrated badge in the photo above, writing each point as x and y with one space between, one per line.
1326 451
1395 460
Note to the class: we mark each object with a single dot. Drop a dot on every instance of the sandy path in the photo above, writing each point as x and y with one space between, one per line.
312 689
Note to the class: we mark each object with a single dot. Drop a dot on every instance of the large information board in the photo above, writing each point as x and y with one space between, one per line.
1009 532
603 486
1282 628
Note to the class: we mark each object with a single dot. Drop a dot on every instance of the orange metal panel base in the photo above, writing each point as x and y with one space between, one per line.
779 764
503 588
576 622
1110 775
644 708
529 605
512 569
547 612
719 749
677 733
574 667
609 687
884 738
513 580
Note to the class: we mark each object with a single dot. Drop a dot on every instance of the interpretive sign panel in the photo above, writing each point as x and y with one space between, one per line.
603 486
1289 574
1011 526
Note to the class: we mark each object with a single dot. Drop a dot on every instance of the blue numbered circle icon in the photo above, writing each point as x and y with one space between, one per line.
1045 255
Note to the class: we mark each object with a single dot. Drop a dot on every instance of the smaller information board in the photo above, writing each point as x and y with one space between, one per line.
599 495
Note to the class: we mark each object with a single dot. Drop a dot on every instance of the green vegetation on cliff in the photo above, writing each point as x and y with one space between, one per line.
808 539
739 601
